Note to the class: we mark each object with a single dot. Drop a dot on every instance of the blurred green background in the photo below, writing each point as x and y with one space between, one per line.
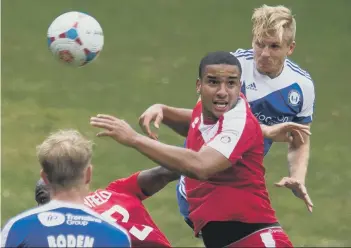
151 54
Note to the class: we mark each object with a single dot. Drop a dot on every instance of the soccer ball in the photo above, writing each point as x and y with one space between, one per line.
75 38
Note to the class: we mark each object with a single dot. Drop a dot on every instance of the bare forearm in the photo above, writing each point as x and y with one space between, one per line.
183 161
298 158
153 180
264 129
177 119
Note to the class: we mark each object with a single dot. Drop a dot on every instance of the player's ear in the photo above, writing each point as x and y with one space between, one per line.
44 177
291 48
198 85
88 174
253 41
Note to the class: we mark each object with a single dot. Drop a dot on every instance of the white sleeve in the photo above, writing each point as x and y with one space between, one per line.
231 133
308 93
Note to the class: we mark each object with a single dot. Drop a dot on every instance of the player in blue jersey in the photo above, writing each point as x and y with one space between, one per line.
278 90
64 222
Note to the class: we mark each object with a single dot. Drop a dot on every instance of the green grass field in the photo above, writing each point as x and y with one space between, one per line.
151 54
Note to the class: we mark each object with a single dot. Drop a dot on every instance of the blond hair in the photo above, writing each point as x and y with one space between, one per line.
64 156
273 20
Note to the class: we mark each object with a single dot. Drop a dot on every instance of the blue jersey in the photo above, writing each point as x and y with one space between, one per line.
61 224
289 97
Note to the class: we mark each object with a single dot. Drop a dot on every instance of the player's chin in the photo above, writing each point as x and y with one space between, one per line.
218 111
266 68
264 64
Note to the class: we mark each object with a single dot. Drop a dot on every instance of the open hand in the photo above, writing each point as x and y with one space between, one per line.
298 188
115 128
287 132
152 114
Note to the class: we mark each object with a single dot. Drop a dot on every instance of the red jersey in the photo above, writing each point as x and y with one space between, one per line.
121 202
239 193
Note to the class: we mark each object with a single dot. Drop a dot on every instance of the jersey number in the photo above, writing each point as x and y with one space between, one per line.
139 234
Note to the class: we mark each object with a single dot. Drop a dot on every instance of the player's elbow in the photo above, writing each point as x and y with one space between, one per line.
203 177
200 173
196 166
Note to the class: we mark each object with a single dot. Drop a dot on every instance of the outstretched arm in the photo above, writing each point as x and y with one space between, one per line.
298 157
153 180
177 119
211 159
198 165
287 132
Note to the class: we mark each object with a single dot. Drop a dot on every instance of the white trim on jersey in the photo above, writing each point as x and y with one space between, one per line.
233 125
181 189
208 131
241 53
294 67
292 73
52 205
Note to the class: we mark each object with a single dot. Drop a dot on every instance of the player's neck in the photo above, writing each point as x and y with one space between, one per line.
210 121
75 195
208 117
272 75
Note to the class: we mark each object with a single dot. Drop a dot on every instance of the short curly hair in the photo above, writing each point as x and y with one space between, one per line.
42 192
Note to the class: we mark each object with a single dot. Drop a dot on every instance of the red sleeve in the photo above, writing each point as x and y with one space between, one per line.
128 185
236 133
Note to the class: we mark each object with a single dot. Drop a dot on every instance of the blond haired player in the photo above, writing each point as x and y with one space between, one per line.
277 89
65 159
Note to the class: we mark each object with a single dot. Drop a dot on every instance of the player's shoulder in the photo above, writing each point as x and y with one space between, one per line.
60 214
29 216
301 75
239 121
28 220
244 55
240 110
302 80
197 109
17 228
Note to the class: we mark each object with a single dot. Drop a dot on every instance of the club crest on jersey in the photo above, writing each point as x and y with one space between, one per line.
294 98
226 139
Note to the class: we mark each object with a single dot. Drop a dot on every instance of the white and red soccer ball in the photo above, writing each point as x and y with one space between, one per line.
75 38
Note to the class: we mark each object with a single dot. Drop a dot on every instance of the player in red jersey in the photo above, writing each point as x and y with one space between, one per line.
121 202
223 162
